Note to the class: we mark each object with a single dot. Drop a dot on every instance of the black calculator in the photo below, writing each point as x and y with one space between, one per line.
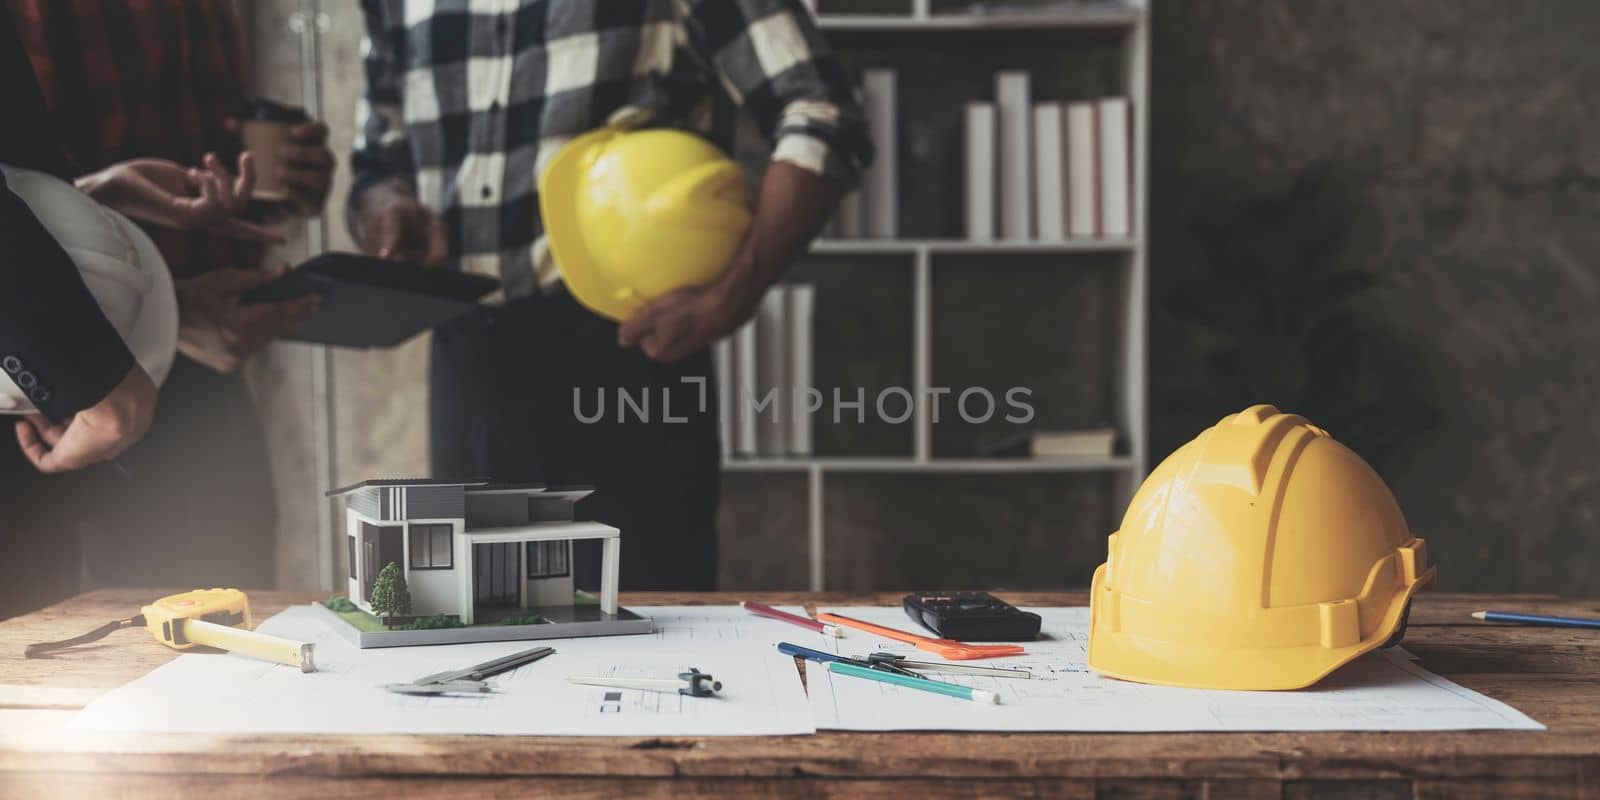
971 617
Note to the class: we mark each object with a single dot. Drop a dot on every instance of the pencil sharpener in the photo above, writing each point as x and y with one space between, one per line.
700 683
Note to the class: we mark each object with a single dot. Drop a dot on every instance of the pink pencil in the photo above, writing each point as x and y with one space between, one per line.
793 619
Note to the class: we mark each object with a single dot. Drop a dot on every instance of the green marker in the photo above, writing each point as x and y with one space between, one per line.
925 684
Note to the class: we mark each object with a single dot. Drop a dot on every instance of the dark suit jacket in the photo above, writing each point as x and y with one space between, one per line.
54 342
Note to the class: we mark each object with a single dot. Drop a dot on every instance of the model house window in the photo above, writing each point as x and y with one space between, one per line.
352 541
548 559
430 547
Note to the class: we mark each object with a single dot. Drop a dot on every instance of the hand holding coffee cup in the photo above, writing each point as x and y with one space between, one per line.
293 164
265 132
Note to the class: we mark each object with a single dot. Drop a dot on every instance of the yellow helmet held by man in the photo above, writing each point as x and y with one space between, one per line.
633 215
1261 555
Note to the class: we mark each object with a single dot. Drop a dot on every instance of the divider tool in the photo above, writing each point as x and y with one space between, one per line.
470 680
821 657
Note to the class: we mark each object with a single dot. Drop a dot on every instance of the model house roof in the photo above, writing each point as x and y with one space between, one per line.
472 486
533 490
386 482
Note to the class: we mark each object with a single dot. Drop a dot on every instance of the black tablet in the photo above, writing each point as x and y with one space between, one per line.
369 302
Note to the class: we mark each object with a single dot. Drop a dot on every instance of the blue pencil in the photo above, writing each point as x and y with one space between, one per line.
925 684
1537 619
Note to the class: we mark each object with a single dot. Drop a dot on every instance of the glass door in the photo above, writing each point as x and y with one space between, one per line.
496 574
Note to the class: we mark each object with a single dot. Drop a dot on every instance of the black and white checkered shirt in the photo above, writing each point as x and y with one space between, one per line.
468 99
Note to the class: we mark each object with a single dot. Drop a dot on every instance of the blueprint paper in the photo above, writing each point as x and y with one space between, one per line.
762 693
696 625
1378 692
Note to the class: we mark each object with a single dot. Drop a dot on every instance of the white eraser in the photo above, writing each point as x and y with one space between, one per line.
985 696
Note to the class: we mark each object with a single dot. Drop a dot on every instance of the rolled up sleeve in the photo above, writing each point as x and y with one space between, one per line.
772 60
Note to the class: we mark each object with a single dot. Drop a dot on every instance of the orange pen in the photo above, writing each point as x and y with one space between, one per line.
946 648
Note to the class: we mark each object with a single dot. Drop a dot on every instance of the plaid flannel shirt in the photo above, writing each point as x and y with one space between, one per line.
467 101
153 79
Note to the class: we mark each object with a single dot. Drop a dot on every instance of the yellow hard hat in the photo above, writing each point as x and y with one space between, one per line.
1261 555
632 215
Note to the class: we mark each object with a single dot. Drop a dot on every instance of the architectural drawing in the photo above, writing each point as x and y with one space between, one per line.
1379 691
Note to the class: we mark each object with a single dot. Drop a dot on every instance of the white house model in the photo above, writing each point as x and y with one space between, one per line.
482 552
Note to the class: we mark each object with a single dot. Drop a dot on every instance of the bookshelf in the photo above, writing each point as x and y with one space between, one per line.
952 465
931 27
932 247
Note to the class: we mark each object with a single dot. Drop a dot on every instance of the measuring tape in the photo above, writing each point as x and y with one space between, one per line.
217 618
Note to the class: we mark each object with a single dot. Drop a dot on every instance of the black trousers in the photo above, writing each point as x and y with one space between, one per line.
538 390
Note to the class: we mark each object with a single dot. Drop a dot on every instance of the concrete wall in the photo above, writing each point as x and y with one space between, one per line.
1466 134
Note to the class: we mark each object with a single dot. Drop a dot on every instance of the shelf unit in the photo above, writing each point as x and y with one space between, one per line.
934 247
921 17
1129 21
949 465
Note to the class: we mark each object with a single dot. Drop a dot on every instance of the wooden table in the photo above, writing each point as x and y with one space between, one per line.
1551 674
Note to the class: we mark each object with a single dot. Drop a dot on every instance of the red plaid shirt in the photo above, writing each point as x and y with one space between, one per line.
142 79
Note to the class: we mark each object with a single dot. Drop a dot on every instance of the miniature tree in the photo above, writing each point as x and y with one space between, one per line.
390 595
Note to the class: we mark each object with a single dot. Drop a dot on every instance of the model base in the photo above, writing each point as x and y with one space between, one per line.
563 622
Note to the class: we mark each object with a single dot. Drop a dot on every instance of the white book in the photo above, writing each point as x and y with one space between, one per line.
722 362
1014 129
881 189
1050 174
802 302
980 171
772 374
744 377
1082 216
1086 443
849 216
1116 178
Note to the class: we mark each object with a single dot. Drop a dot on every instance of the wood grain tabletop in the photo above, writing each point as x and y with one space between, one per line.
1551 674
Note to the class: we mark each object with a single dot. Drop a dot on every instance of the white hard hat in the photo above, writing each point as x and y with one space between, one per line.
121 266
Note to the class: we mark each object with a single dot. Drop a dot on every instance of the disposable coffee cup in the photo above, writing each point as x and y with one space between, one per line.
265 131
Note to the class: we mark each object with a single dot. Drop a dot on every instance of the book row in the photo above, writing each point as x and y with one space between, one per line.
1048 171
764 377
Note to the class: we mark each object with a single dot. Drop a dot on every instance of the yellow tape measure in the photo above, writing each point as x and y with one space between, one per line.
217 618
